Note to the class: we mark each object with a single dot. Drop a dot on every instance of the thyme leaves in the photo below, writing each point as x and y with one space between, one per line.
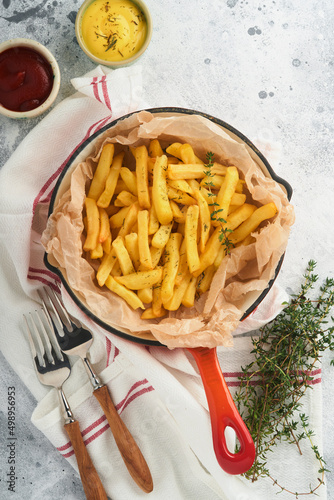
285 355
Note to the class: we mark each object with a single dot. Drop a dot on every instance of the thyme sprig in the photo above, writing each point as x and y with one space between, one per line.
285 354
216 214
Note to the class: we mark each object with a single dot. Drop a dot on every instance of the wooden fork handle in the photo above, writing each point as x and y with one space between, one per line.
127 446
89 477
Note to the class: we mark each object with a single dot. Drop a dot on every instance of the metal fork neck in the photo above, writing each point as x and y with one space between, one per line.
68 415
94 379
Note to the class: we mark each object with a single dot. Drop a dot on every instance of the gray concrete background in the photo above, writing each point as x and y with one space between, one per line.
265 67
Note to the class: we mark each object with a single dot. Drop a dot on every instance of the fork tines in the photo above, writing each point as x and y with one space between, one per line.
43 344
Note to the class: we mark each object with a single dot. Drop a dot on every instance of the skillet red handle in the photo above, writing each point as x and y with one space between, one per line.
223 413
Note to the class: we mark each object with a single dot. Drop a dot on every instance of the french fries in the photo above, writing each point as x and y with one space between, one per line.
159 228
160 193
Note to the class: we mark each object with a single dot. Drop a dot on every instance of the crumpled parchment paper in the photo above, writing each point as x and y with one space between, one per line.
247 269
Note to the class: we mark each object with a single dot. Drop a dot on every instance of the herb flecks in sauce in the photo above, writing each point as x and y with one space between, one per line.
113 30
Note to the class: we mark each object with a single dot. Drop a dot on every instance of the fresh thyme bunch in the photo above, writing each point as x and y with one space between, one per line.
285 353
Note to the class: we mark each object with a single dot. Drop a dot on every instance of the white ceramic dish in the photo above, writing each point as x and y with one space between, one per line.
38 47
113 64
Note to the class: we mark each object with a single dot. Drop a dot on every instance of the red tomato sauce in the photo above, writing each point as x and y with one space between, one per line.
26 79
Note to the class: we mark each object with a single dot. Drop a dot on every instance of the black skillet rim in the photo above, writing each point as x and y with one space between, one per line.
187 111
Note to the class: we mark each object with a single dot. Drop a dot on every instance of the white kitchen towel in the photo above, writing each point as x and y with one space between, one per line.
158 392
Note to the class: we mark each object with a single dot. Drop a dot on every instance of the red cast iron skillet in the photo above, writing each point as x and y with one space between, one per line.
223 412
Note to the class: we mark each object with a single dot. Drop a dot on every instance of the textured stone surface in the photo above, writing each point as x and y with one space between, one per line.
267 68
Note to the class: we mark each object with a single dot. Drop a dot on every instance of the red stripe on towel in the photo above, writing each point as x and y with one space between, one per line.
105 92
44 271
123 404
97 125
109 348
44 281
96 89
136 395
93 425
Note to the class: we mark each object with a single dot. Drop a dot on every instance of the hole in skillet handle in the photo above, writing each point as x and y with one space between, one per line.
223 414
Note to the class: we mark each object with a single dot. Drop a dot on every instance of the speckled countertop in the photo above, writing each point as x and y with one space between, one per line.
265 67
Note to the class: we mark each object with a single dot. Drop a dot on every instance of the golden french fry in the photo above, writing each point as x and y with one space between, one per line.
216 240
179 196
131 244
106 266
194 171
117 220
157 306
205 219
193 183
190 235
239 215
144 249
219 257
116 270
123 256
130 180
205 279
174 303
125 199
97 253
189 171
120 186
211 199
111 182
182 152
104 225
174 149
179 214
106 245
93 224
183 268
159 191
153 222
180 185
101 173
225 194
129 221
161 237
259 215
149 313
142 279
238 199
187 154
150 166
146 295
128 295
156 254
155 148
188 299
141 156
215 181
170 267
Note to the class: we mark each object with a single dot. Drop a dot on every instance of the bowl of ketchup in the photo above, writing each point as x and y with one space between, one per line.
29 78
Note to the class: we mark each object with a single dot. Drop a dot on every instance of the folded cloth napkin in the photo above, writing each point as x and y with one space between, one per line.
157 391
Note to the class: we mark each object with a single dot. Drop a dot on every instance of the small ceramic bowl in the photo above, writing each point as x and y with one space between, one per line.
37 47
113 64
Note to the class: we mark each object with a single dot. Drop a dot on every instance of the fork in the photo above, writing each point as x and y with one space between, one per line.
53 369
73 339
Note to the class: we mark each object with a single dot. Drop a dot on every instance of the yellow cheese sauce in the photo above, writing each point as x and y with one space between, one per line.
113 30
